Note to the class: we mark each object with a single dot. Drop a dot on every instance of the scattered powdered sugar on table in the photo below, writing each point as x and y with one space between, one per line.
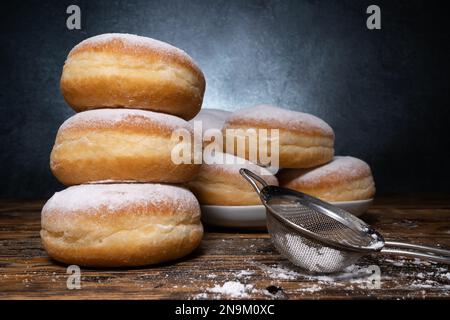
278 272
396 262
244 273
202 295
233 289
312 289
348 279
354 277
373 275
418 261
420 274
285 272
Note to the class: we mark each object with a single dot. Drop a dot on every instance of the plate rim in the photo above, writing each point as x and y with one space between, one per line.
261 205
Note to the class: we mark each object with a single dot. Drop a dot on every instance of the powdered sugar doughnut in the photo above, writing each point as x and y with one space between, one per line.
304 140
115 225
119 145
124 70
343 179
222 184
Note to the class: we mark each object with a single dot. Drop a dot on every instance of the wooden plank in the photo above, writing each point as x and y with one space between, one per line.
247 258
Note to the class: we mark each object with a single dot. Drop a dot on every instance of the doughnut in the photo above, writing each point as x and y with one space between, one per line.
343 179
119 145
223 185
212 120
129 71
117 225
304 140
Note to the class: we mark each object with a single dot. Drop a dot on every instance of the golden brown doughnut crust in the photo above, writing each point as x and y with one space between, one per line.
343 179
304 140
117 225
223 185
119 145
123 70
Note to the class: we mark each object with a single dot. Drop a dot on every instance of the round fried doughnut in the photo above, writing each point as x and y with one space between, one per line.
343 179
130 71
118 225
119 145
304 140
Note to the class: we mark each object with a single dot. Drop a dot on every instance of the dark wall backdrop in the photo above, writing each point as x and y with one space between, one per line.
385 92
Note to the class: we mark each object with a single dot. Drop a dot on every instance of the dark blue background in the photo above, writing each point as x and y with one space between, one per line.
385 92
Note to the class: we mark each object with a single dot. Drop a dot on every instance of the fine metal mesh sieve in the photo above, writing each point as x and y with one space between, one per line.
320 237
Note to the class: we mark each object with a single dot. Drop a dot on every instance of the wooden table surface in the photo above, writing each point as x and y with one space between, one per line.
244 262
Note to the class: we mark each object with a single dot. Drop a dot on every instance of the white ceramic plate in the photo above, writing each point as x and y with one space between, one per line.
255 216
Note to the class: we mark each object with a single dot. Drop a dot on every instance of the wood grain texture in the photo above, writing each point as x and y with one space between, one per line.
26 272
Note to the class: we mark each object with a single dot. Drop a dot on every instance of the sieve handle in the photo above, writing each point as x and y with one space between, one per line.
417 251
253 179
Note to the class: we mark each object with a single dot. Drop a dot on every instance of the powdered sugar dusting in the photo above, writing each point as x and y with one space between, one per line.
113 117
132 41
349 167
246 283
244 273
95 197
281 118
233 289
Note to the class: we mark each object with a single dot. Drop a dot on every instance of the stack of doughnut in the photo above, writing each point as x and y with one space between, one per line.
306 154
119 210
